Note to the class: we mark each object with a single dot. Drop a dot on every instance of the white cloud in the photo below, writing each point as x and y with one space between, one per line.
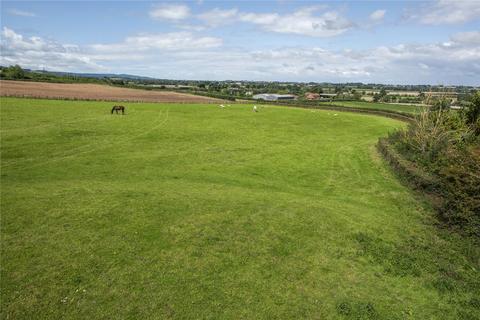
467 38
423 66
377 15
259 18
36 52
448 12
160 41
21 13
191 27
185 55
173 12
402 63
217 17
304 21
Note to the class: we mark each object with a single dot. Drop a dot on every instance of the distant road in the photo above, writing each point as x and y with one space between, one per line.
94 92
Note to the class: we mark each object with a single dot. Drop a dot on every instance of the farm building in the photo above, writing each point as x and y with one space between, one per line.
274 97
311 96
319 96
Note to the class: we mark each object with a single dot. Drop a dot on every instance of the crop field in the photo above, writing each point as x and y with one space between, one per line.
405 108
94 92
190 211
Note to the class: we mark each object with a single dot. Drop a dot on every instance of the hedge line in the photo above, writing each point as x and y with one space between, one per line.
416 177
389 114
454 192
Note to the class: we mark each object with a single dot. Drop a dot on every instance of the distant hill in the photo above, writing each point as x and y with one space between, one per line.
93 75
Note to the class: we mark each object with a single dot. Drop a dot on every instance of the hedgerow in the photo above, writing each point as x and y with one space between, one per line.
439 152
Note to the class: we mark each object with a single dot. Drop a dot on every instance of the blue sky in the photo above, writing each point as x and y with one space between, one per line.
404 42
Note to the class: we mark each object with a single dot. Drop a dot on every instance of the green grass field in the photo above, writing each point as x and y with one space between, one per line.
379 106
197 212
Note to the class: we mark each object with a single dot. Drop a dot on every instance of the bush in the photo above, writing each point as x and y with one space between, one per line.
446 146
472 113
432 133
461 190
441 104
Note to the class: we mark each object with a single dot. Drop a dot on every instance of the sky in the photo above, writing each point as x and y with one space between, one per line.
393 42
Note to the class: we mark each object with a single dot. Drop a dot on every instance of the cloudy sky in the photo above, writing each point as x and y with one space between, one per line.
401 42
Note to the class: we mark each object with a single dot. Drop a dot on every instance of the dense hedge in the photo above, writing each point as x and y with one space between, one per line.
460 179
439 153
415 176
455 186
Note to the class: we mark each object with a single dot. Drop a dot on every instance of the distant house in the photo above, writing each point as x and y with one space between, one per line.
274 97
320 96
312 96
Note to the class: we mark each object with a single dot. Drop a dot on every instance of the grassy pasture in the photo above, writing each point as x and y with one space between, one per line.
379 106
196 212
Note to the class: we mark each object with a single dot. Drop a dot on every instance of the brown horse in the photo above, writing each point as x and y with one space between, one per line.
118 108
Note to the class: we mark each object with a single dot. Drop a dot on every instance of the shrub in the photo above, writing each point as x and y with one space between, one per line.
432 133
460 178
472 114
446 146
441 104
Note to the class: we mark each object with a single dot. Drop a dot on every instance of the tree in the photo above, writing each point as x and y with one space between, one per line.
316 89
357 96
380 96
383 93
14 72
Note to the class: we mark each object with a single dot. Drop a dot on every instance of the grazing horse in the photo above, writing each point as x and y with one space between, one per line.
118 108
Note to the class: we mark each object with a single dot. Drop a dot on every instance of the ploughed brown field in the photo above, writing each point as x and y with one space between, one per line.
94 92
